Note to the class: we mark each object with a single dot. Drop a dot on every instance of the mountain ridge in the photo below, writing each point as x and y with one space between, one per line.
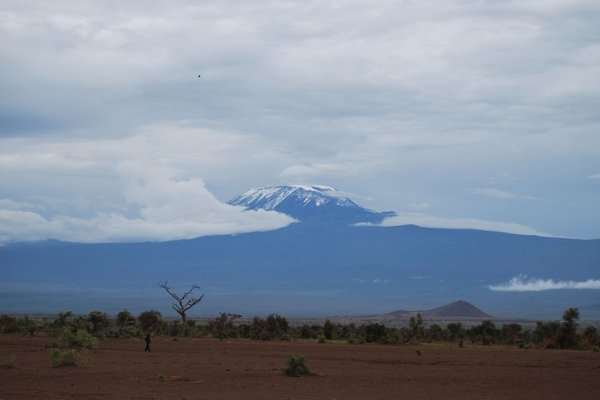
304 269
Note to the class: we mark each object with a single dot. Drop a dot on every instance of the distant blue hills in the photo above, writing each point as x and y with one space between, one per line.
315 267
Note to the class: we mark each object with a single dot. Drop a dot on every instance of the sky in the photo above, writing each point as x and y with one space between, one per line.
456 114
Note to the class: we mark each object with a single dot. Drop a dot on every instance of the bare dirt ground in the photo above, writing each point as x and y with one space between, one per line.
241 369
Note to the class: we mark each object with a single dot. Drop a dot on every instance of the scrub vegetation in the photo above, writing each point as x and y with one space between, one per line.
68 331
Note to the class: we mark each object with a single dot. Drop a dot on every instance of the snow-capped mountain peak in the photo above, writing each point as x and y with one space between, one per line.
308 203
271 197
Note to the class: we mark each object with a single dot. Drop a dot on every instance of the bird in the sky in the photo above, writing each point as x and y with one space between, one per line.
199 76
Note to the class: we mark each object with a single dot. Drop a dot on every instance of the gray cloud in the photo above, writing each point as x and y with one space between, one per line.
400 102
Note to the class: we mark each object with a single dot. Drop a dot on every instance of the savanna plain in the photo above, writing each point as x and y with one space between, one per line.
208 368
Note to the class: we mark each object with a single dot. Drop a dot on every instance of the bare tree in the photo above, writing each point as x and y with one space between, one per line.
182 303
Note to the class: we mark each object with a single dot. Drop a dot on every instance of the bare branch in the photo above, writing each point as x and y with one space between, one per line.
192 302
182 304
165 286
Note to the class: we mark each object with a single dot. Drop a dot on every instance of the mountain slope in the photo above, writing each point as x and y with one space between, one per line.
454 311
303 269
461 308
309 204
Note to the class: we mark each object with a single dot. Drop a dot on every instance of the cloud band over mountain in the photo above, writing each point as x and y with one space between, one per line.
522 284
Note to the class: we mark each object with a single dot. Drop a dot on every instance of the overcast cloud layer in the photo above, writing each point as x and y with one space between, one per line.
454 114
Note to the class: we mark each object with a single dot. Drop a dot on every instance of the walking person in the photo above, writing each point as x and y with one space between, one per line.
148 341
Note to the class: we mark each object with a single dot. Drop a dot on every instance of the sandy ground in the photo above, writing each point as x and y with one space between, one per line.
241 369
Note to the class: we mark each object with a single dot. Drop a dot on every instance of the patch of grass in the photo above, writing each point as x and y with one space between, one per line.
419 352
7 362
596 349
61 358
322 339
162 376
297 366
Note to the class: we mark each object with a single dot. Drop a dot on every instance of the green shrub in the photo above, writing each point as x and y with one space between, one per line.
150 321
66 357
80 339
125 318
454 331
567 337
124 331
322 339
83 339
485 333
98 323
591 336
328 329
374 333
23 325
419 352
8 324
276 326
356 339
296 366
222 327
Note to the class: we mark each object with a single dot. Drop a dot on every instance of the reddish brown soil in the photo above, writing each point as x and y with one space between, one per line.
240 369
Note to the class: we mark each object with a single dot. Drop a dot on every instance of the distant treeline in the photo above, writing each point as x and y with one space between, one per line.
565 334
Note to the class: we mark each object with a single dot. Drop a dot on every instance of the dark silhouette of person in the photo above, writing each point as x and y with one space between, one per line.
148 341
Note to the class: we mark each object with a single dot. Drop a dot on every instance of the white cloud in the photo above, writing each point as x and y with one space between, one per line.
425 220
522 284
142 187
322 171
502 178
501 194
168 209
419 206
8 204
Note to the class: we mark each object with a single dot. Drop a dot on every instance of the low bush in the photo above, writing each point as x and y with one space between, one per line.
79 339
83 339
356 339
222 327
9 324
297 366
61 358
